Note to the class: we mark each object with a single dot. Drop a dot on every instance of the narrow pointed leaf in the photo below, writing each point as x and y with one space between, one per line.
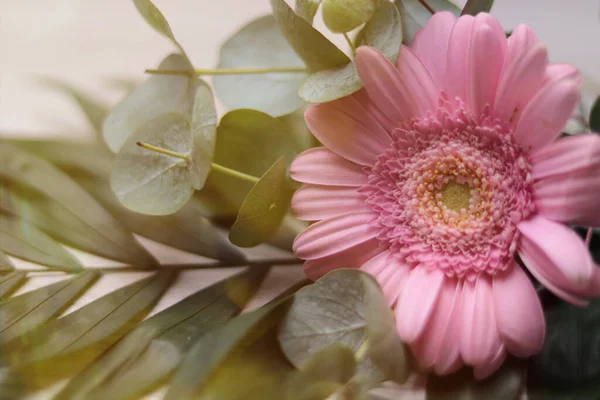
263 209
314 49
383 32
38 174
595 116
97 321
415 15
260 44
19 315
5 263
154 18
131 367
23 240
10 282
307 9
474 7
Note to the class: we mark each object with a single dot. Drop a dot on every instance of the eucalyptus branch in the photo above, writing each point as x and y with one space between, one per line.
427 6
229 71
352 47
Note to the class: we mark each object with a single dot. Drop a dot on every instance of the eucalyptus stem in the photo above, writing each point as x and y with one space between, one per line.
352 47
163 151
229 71
427 6
362 351
234 173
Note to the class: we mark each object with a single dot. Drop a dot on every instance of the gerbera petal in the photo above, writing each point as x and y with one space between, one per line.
388 89
487 51
417 302
568 262
479 335
559 71
351 257
518 312
330 236
431 44
343 135
547 113
521 40
567 156
424 89
323 167
316 202
362 98
458 58
389 272
483 371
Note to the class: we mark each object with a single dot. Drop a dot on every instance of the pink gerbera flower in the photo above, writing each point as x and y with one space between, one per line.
438 173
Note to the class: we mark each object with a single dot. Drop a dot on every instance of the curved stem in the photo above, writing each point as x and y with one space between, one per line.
352 47
229 71
234 173
163 151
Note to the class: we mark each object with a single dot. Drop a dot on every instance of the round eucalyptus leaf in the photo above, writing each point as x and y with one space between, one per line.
204 134
160 94
345 15
260 44
153 183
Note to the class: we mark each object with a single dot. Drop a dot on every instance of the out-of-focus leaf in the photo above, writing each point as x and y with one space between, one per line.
334 310
474 7
10 282
284 237
383 32
224 352
5 263
568 367
23 240
204 134
307 9
595 116
263 209
97 321
342 16
314 49
506 384
415 15
155 348
297 125
26 169
19 315
160 94
259 44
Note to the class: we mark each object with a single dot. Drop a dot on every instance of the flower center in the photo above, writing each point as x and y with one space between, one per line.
450 191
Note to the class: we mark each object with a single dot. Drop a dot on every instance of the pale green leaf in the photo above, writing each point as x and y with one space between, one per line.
285 235
415 15
204 135
307 9
383 32
259 44
474 7
154 18
342 16
26 169
263 209
19 315
131 367
10 282
160 94
314 49
23 240
297 125
5 263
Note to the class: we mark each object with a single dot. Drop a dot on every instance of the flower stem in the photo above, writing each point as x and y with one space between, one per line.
350 43
229 71
163 151
427 6
362 351
588 237
234 173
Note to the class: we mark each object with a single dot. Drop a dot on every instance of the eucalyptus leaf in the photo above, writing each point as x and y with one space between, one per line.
263 209
23 240
5 263
10 282
131 367
474 7
26 169
103 320
383 32
506 384
307 9
314 49
334 310
595 116
21 314
415 15
260 44
342 16
160 94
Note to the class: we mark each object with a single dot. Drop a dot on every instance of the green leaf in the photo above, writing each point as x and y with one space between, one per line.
131 367
474 7
5 263
160 94
383 32
415 15
10 282
20 315
506 384
595 116
259 44
342 16
104 320
568 367
26 169
23 240
263 209
317 52
307 9
204 135
335 310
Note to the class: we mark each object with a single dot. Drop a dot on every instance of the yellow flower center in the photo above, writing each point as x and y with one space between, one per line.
456 196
